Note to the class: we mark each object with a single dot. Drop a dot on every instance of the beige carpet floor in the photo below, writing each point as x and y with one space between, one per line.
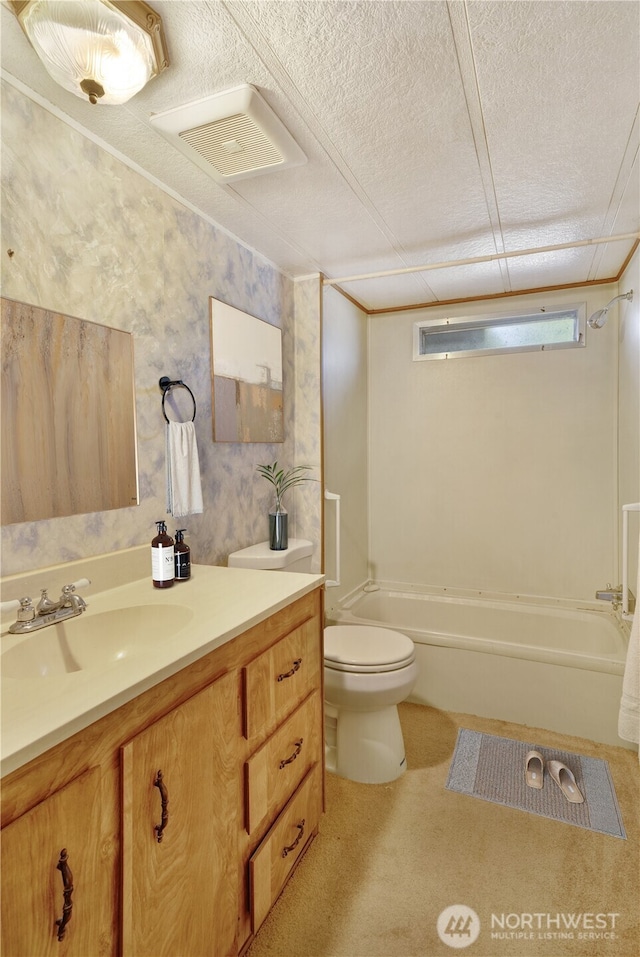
390 858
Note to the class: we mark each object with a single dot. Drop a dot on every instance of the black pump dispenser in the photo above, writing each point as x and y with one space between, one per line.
182 557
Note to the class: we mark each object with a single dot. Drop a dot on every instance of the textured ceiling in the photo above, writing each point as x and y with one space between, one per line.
434 132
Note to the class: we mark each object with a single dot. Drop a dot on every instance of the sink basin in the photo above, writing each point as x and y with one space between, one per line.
92 641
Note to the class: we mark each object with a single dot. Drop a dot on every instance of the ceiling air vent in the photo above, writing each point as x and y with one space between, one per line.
232 135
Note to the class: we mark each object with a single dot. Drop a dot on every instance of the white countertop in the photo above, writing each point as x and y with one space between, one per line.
220 603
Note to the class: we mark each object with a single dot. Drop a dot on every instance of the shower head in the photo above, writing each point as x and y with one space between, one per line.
598 319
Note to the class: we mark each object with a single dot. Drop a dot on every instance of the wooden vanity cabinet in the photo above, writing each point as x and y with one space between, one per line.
218 731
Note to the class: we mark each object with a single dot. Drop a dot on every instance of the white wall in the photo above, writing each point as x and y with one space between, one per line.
494 472
344 373
629 402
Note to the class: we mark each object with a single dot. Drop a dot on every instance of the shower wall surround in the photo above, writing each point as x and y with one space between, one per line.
505 476
629 408
93 238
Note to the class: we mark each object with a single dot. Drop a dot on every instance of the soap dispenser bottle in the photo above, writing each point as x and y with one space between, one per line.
182 557
162 558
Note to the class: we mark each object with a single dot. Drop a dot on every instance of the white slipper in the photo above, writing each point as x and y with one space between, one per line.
534 769
566 781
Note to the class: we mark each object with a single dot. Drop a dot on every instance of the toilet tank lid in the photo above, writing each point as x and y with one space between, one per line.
261 556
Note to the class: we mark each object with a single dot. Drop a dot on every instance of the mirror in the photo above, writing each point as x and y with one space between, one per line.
68 416
246 377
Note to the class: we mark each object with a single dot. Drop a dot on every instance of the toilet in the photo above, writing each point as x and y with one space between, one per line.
368 671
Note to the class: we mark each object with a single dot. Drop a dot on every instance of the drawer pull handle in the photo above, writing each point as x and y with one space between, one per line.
67 882
164 801
287 850
296 667
286 761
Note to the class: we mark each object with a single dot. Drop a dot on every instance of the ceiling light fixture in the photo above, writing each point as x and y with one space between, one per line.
106 51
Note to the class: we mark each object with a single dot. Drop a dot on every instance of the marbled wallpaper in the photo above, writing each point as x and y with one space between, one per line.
308 419
92 238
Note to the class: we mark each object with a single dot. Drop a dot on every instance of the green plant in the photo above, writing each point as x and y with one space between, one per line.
282 480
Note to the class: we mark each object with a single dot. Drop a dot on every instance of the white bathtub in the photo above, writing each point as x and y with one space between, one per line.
550 664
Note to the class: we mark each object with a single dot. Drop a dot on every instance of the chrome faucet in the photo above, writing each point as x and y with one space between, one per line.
614 595
48 612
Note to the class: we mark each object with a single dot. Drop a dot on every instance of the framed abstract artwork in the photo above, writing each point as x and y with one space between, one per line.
246 377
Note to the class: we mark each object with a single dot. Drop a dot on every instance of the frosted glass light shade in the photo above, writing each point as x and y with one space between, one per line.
94 48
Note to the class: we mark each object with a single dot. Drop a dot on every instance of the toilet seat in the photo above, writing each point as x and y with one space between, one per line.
361 649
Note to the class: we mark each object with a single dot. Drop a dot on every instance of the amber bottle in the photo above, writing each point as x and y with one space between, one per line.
162 558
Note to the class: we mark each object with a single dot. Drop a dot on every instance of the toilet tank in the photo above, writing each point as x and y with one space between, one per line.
295 558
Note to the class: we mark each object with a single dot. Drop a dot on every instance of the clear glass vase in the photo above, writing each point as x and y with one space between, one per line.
278 529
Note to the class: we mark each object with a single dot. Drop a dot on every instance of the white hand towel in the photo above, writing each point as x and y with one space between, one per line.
629 716
184 490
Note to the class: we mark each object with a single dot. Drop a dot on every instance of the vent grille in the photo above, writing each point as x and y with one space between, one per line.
230 135
233 145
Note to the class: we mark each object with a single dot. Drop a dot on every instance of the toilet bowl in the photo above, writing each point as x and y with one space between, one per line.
368 671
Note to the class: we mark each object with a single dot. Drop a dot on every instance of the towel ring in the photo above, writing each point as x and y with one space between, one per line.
167 384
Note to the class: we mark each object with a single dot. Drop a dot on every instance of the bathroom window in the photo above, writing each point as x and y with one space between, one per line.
549 328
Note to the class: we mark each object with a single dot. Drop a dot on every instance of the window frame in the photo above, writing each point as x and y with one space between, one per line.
493 319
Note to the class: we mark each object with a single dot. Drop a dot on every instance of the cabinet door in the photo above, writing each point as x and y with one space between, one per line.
55 882
179 855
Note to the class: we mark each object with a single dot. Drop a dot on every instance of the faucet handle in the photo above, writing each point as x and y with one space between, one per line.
26 611
71 600
81 583
68 590
10 605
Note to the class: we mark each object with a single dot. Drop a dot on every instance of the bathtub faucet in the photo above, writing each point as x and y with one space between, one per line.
614 595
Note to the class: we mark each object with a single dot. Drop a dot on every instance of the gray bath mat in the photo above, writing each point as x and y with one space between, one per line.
492 768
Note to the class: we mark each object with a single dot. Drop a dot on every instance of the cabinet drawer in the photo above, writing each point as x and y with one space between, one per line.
275 770
280 678
276 856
